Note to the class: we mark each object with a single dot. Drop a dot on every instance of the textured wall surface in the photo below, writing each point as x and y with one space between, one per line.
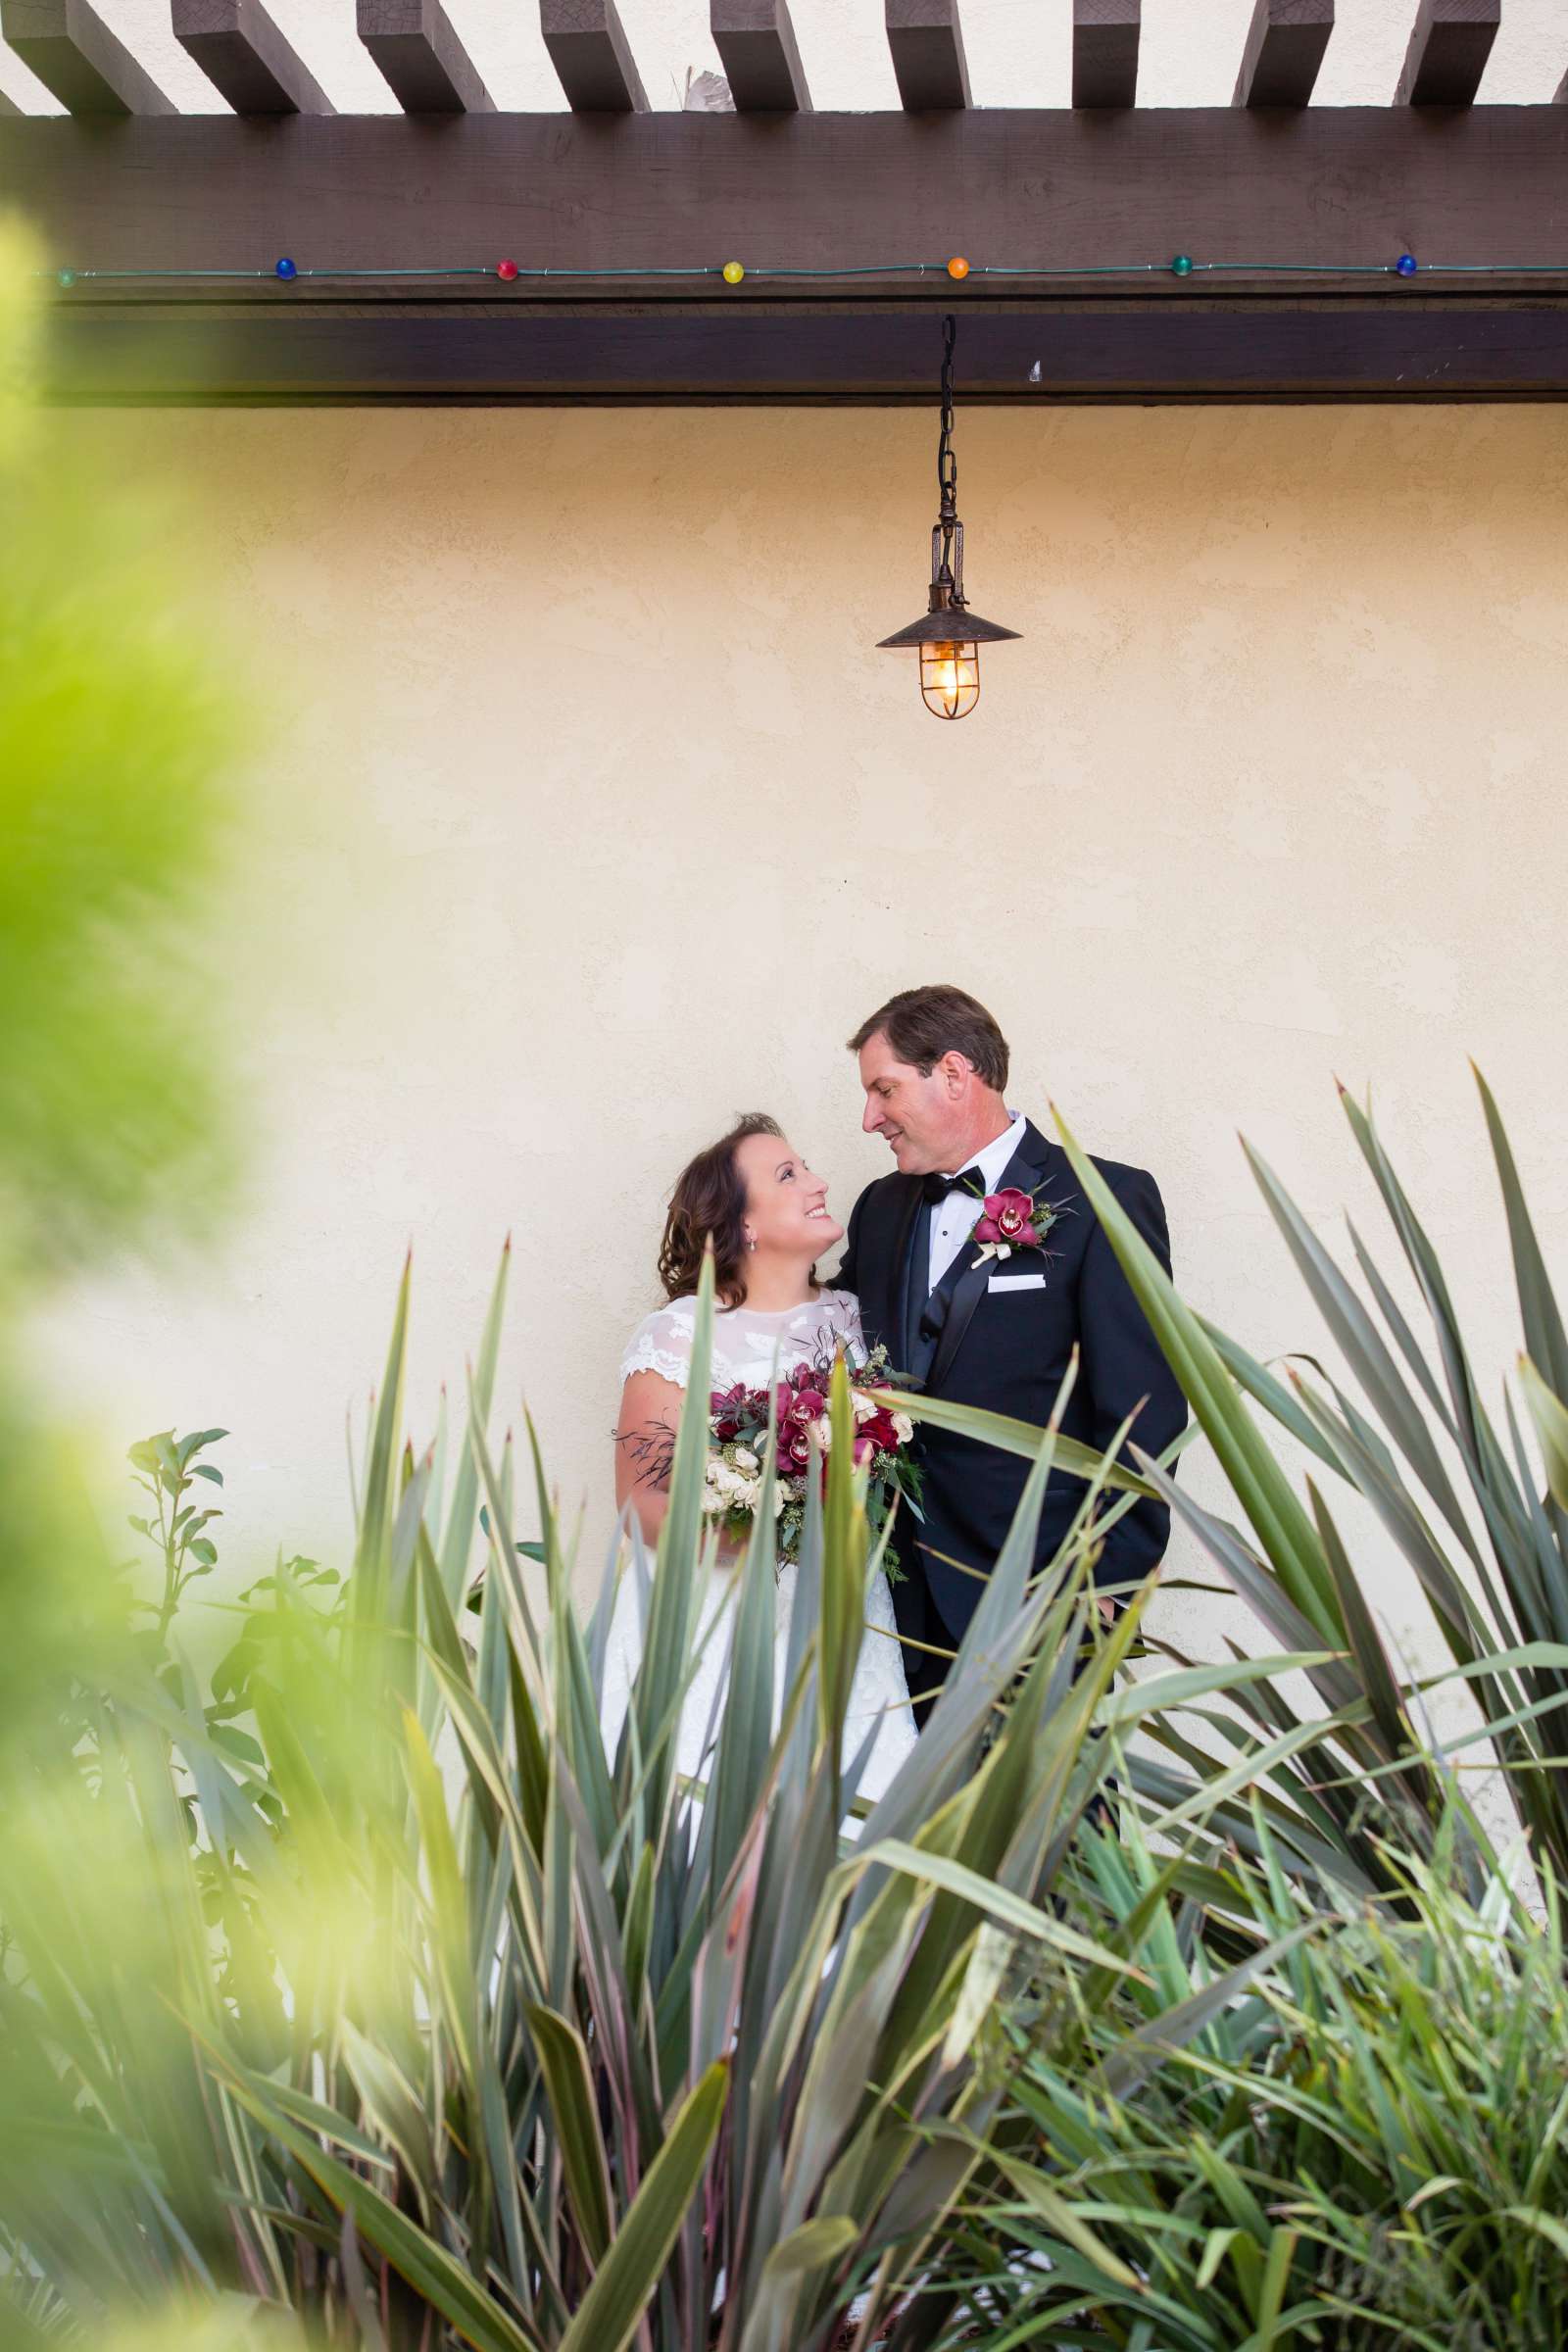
590 816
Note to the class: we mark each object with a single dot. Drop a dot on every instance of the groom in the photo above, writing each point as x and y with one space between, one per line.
997 1333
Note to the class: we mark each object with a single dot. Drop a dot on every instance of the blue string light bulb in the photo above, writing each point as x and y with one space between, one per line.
1405 265
285 269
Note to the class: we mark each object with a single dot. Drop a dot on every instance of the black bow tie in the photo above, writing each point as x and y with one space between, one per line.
936 1188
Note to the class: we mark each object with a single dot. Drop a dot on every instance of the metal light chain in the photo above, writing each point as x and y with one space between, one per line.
949 569
947 462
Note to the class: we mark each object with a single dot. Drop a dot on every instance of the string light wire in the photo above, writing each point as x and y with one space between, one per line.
1179 266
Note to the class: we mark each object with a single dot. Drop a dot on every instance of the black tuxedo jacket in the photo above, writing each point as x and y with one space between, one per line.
1007 1348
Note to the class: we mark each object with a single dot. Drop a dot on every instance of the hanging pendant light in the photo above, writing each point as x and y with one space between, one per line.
947 635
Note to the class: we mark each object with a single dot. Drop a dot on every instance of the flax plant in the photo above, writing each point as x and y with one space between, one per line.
1407 1426
669 2057
434 2022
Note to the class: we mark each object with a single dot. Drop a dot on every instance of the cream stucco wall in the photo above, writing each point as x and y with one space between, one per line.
589 816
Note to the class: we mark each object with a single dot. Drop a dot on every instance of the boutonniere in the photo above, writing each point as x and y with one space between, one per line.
1012 1220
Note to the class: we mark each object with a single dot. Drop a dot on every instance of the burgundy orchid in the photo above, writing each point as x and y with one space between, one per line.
1008 1219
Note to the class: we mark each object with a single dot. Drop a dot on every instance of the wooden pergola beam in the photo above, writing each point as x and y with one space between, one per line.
1284 52
75 56
246 57
811 191
756 47
420 58
1104 52
592 57
807 192
1451 42
926 42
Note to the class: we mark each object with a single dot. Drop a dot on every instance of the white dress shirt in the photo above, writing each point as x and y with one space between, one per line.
959 1214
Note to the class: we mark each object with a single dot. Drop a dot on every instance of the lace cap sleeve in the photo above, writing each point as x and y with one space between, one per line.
661 1342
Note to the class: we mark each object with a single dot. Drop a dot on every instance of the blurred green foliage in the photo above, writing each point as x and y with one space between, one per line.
119 735
119 730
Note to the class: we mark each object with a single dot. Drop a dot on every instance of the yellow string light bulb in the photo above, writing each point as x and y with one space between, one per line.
734 271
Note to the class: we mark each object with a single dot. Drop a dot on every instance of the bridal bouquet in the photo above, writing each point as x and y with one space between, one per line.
737 1423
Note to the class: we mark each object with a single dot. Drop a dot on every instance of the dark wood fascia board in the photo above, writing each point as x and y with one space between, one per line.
1097 353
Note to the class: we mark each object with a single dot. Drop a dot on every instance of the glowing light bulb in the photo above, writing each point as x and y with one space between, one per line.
949 677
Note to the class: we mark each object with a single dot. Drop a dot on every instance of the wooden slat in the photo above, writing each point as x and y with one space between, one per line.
1356 349
1104 52
424 64
1450 45
76 57
756 43
929 66
1284 45
592 57
246 57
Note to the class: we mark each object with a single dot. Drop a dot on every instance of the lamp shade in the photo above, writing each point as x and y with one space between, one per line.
952 625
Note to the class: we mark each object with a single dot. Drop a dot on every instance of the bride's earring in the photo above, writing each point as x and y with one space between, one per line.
752 1243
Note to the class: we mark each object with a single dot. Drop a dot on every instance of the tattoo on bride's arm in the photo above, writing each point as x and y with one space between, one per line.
651 1451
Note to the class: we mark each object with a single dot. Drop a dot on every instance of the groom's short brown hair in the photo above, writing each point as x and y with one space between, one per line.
922 1024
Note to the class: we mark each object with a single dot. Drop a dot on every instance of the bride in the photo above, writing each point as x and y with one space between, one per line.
768 1218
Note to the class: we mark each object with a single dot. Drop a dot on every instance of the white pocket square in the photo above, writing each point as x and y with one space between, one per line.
1016 1282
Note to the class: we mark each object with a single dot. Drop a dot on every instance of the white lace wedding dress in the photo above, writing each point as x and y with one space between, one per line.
746 1345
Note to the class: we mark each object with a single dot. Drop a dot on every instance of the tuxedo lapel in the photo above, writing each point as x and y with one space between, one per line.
905 1226
966 1292
1024 1170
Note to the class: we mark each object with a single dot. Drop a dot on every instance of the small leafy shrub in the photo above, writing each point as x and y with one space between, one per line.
1360 2148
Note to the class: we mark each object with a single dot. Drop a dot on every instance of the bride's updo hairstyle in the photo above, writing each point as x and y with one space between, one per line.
709 1199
